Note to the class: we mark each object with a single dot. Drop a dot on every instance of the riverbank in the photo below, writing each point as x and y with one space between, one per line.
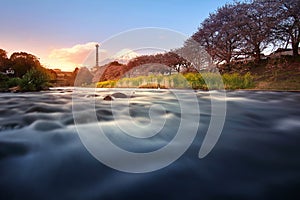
271 74
276 74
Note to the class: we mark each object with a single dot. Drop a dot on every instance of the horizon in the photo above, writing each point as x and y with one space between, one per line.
62 35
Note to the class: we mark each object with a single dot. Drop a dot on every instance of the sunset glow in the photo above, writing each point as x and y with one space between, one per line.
63 34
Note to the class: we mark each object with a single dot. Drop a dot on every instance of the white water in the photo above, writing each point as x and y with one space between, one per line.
256 157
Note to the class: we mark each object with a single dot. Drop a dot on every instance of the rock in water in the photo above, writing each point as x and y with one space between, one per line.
119 95
108 98
15 89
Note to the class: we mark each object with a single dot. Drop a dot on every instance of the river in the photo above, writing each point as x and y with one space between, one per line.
43 156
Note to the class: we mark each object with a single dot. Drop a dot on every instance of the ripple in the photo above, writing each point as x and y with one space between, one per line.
43 125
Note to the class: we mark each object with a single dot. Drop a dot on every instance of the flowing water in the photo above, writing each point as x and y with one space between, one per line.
42 157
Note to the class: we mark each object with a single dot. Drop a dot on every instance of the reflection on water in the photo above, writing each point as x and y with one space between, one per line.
257 156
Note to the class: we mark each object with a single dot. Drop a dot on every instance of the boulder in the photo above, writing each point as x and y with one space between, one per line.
119 95
108 98
15 89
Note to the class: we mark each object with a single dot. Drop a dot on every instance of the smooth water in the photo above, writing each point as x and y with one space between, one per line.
42 157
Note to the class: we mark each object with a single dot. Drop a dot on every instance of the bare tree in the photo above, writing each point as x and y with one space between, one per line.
219 33
288 28
239 29
256 22
195 56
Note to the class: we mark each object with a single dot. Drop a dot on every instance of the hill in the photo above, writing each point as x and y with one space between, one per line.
280 73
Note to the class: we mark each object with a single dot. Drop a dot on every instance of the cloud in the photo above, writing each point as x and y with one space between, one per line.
84 55
73 55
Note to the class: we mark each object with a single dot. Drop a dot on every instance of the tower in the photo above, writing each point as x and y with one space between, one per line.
97 55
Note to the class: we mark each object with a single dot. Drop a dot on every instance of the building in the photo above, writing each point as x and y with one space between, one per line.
282 52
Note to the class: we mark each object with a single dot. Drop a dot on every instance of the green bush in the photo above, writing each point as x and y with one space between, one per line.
13 82
34 80
106 84
237 81
203 81
3 82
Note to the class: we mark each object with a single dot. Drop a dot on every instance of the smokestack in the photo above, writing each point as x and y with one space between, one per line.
97 55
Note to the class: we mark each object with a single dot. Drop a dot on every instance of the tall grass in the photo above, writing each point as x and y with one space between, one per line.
106 84
237 81
204 81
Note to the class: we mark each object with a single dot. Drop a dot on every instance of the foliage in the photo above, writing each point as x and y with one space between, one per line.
3 59
29 74
34 80
202 81
246 29
22 62
288 18
13 82
237 81
106 84
3 81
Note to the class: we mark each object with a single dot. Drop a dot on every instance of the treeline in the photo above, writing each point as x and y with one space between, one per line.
246 29
175 61
162 63
24 72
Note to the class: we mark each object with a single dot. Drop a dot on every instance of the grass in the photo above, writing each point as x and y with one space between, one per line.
202 81
106 84
282 73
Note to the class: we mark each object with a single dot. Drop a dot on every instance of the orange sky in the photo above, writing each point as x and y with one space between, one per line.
63 33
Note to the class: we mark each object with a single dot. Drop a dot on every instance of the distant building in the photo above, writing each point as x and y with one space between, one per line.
9 71
282 52
247 59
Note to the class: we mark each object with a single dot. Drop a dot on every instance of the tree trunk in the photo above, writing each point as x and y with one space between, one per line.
257 53
295 47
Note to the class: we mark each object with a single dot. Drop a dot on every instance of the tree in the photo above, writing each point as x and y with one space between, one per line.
288 28
255 24
219 35
194 56
3 54
239 29
173 60
22 62
3 60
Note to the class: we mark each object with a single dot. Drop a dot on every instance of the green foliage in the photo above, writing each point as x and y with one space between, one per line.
3 82
106 84
202 81
13 82
236 81
34 80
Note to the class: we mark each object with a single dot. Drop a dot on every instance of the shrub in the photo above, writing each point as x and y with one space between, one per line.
237 81
12 82
106 84
3 82
202 81
34 80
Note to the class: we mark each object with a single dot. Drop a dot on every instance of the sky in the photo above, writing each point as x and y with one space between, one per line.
62 33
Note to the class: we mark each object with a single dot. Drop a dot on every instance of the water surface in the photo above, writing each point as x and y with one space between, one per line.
256 157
